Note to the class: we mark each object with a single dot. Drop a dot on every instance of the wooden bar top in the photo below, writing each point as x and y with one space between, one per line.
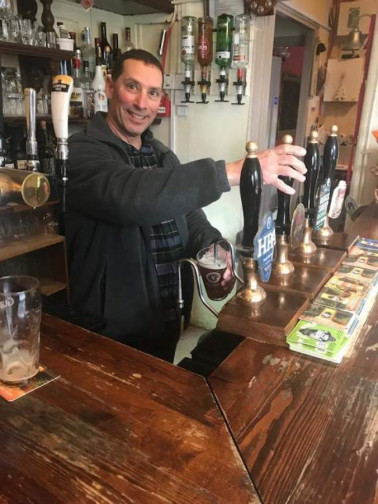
307 429
118 426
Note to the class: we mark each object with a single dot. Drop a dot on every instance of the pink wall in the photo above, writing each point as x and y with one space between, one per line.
295 63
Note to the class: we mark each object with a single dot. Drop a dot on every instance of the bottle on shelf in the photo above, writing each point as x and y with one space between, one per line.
205 53
73 37
86 85
225 24
76 102
188 45
240 53
62 30
129 44
106 48
88 52
116 49
98 84
46 152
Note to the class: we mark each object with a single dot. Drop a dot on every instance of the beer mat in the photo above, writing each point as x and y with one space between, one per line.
12 392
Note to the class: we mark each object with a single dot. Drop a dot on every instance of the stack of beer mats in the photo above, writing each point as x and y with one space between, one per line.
337 314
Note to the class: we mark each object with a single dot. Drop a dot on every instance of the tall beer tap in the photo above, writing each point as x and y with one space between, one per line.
60 102
330 158
312 162
282 265
32 159
250 193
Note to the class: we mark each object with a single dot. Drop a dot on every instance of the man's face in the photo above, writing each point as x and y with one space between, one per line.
134 98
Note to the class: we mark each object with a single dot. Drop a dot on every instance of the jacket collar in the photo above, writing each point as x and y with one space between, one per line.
98 128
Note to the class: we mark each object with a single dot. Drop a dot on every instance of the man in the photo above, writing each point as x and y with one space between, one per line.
134 210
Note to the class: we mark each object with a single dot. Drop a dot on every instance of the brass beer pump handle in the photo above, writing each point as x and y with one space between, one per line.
180 300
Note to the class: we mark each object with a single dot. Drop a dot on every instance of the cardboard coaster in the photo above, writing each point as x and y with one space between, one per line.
12 392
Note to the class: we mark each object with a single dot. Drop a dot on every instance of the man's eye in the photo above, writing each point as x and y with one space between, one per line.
155 93
131 85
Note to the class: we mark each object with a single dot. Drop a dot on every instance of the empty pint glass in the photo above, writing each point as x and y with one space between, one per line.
212 263
20 319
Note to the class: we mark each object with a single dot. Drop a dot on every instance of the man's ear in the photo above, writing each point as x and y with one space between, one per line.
109 87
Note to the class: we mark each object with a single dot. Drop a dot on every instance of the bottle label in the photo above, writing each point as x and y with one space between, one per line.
203 47
223 55
187 45
263 244
22 164
322 204
100 101
77 95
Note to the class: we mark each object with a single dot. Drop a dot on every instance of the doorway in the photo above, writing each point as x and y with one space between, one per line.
292 60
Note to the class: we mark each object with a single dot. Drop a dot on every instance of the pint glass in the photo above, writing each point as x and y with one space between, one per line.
212 263
20 318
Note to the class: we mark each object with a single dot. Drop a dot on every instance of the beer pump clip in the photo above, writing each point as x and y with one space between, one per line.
61 91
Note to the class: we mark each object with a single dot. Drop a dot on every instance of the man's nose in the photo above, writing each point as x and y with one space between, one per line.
141 99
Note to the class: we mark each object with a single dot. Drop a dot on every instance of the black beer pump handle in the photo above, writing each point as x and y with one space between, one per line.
283 220
312 162
250 193
330 157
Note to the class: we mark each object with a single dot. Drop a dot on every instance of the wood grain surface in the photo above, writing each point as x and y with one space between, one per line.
307 429
118 426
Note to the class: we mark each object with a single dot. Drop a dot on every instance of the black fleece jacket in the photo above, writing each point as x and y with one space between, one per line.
111 207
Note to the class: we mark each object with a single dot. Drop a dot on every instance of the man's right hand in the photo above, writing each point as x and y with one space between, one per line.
281 160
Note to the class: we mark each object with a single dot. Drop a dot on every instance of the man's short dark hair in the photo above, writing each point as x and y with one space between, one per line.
136 54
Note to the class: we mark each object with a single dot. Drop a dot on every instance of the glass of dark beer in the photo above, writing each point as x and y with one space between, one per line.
212 263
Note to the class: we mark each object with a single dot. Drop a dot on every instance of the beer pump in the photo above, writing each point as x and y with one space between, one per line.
60 102
32 159
240 53
312 162
330 158
188 43
205 54
250 193
282 266
225 24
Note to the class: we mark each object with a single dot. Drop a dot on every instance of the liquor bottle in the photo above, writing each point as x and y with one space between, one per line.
46 152
240 53
116 49
76 102
88 52
225 24
86 85
106 48
205 53
129 44
98 84
98 50
188 44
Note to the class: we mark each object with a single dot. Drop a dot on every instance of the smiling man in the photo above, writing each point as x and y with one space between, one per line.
133 210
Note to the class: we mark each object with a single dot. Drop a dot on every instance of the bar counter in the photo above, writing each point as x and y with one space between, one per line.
307 429
117 426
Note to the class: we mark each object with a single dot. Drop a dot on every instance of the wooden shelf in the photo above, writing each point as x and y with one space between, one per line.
13 208
49 287
20 247
36 51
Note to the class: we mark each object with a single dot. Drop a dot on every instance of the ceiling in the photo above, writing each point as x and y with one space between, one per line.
133 8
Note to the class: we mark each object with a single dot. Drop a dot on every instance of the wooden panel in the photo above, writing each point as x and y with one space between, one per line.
117 426
20 247
307 429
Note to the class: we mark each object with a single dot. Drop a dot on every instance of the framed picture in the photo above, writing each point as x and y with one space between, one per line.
350 16
344 79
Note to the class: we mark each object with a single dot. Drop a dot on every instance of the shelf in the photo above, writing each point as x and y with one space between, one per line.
16 120
49 287
12 208
20 247
36 51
